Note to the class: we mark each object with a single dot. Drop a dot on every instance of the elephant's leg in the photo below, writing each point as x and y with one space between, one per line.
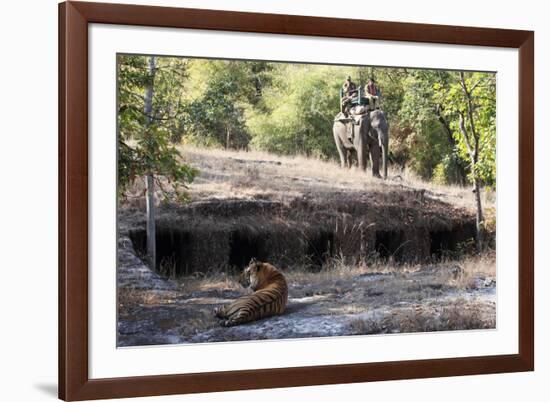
375 157
352 156
370 155
362 156
343 157
380 130
342 152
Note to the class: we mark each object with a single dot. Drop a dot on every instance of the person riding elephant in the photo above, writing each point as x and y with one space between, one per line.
371 88
373 94
349 92
349 86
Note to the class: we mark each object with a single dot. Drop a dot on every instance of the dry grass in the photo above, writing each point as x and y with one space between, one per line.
474 268
469 268
253 174
216 282
261 175
453 317
338 278
462 273
128 297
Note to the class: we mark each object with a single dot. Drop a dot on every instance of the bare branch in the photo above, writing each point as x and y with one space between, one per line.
476 84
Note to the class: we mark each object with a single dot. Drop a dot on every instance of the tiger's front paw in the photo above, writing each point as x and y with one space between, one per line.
219 312
227 323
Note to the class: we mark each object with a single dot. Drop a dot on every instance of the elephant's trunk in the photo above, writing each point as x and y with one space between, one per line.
384 148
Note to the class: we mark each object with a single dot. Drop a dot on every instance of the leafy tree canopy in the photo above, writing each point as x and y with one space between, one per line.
146 139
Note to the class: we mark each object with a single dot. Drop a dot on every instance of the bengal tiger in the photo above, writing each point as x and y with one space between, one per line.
269 298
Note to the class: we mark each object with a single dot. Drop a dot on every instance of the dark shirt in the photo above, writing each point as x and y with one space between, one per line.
349 87
372 89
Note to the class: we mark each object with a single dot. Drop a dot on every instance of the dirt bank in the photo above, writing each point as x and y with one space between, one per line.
215 234
295 213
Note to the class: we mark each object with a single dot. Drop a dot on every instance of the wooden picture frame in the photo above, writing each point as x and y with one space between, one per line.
74 381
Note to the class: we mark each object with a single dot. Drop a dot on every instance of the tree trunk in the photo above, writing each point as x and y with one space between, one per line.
227 137
473 151
150 179
151 225
480 228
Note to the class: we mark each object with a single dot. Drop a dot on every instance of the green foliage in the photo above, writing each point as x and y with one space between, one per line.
432 104
146 142
430 141
443 171
439 175
221 93
481 128
289 109
428 148
300 108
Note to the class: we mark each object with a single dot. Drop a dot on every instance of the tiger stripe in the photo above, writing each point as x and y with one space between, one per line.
269 298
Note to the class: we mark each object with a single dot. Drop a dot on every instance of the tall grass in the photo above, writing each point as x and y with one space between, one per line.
264 171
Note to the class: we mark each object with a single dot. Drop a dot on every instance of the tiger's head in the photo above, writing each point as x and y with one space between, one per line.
257 275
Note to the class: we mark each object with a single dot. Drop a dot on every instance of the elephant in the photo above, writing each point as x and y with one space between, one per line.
370 135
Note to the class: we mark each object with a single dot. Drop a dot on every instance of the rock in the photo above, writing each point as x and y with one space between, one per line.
489 283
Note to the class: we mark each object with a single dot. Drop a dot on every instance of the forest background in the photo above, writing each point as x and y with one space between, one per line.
442 123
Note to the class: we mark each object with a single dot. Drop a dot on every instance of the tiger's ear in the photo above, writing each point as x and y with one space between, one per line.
252 260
